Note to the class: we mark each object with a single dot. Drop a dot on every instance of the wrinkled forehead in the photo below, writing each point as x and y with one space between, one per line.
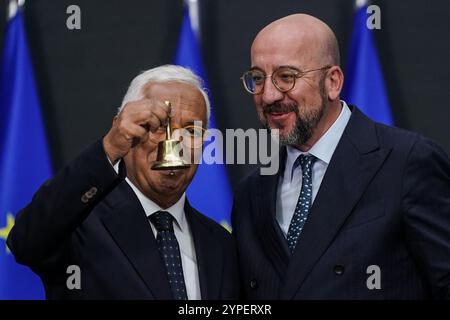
188 103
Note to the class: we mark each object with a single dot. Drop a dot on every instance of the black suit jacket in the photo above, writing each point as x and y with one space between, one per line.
384 201
88 216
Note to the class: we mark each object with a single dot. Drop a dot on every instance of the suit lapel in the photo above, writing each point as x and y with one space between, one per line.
130 229
209 255
354 163
265 219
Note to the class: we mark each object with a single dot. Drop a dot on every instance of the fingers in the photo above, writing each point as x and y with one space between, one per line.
149 113
132 124
134 131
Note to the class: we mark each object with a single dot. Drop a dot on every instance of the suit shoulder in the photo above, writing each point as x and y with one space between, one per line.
408 148
405 140
389 135
217 229
250 178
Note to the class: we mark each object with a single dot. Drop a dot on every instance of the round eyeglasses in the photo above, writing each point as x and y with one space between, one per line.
283 79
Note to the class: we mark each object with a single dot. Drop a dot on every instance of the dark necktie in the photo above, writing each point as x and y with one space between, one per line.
170 252
304 200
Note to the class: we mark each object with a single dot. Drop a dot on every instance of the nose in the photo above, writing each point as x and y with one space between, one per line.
271 94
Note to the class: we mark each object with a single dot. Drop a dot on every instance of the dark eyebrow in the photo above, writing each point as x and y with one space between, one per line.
290 67
192 122
283 66
256 68
189 123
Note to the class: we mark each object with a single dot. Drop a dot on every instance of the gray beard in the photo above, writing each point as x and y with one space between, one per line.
304 127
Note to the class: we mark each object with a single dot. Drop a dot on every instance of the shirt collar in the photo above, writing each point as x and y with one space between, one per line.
324 148
150 207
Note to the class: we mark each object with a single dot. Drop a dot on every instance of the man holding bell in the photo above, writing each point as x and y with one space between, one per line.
127 229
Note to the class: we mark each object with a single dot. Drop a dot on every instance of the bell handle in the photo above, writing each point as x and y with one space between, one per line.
168 130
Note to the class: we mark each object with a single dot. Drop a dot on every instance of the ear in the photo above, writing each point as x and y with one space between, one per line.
334 82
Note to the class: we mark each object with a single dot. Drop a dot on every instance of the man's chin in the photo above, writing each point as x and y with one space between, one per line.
171 179
283 132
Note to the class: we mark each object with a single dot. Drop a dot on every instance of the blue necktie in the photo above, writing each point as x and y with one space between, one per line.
170 252
304 200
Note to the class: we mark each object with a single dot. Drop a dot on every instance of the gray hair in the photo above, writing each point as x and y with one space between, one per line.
165 73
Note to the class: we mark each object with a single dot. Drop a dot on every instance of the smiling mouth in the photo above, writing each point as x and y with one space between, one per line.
277 116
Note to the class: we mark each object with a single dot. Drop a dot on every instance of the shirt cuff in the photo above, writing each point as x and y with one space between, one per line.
115 166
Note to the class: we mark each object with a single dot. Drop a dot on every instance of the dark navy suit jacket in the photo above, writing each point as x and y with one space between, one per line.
88 216
384 201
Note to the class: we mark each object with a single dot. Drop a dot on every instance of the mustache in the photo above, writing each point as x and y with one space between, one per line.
278 107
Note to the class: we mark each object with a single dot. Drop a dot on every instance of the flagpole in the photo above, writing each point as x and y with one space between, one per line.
12 9
13 6
194 16
361 3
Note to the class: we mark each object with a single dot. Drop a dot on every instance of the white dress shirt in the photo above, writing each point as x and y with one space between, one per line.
290 183
182 233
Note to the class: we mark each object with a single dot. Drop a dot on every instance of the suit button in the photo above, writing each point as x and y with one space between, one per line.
88 195
91 192
84 198
339 269
253 284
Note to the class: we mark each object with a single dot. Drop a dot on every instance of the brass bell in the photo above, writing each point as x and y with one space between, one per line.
168 157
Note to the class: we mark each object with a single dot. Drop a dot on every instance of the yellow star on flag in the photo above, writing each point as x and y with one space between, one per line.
225 224
6 229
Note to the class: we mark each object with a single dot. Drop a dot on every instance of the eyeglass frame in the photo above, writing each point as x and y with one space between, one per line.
297 73
162 131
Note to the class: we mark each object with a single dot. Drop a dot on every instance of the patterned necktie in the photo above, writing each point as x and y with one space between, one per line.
170 252
304 200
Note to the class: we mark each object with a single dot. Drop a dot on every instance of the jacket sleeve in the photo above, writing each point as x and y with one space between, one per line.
426 207
42 229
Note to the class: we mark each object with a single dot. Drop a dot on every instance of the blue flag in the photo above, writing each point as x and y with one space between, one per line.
24 156
364 84
209 191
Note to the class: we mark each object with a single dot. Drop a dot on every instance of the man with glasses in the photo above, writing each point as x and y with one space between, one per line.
358 210
129 230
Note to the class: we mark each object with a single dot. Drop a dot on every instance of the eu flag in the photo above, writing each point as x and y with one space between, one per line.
24 156
364 84
209 191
